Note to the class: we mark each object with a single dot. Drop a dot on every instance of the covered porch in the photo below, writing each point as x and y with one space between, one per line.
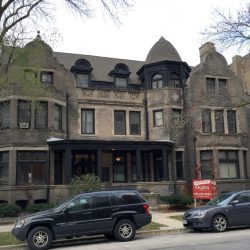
114 162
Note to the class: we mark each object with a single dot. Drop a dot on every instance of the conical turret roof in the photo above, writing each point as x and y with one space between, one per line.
161 51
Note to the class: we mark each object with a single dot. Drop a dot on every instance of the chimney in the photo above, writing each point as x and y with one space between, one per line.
206 48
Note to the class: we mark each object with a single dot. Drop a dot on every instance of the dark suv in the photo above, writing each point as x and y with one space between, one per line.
116 213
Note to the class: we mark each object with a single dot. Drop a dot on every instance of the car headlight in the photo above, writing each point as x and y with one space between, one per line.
20 223
199 214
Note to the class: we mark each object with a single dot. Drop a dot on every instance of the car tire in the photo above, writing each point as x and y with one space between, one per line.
219 223
124 230
39 238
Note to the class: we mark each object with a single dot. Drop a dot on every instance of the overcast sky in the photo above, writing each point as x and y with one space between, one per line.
178 21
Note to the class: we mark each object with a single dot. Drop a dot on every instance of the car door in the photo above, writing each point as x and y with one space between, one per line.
239 212
102 213
77 217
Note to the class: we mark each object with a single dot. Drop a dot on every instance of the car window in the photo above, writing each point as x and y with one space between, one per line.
219 200
124 198
243 197
80 203
101 200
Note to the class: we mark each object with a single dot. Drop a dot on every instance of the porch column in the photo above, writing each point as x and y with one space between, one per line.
164 165
67 170
138 165
99 164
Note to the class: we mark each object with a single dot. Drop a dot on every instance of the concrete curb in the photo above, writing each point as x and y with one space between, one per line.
138 234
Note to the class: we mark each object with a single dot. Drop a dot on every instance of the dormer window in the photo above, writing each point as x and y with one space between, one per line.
47 77
157 81
82 80
120 74
121 82
174 81
82 70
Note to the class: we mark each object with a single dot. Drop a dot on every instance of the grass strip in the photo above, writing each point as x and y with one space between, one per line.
7 238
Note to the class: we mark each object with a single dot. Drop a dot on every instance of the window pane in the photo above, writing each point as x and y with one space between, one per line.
158 118
120 122
4 168
121 82
157 81
82 80
219 121
134 120
228 164
88 121
222 86
231 119
24 112
206 163
31 168
101 200
179 165
127 198
41 115
47 77
210 85
206 121
58 117
4 115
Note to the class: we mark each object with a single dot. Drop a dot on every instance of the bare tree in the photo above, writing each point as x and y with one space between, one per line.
15 12
230 29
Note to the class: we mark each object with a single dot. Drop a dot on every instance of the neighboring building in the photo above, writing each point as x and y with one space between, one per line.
134 124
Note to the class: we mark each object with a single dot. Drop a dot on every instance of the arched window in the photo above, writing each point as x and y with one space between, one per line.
174 81
120 74
82 70
157 81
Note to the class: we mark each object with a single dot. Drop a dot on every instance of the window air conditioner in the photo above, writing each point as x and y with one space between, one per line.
24 125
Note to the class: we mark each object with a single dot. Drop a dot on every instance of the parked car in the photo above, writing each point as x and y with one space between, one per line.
117 213
226 210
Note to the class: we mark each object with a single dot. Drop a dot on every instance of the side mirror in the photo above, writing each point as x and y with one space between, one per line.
234 202
69 206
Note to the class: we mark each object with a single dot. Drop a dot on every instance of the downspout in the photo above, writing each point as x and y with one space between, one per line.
67 116
145 103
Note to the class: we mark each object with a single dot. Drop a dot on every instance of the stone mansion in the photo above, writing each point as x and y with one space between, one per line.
135 124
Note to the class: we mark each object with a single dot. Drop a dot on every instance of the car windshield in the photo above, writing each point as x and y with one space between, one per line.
219 200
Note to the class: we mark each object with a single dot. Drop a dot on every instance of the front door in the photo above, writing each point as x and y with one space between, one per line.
77 219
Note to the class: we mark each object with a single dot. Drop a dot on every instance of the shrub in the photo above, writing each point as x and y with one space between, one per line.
84 183
9 210
180 201
34 208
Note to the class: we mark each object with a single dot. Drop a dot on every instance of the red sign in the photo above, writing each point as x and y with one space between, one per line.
204 189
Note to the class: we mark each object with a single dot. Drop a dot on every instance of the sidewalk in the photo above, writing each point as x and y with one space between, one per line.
164 218
158 217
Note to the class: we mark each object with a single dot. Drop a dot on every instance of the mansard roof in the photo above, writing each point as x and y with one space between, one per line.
161 51
101 65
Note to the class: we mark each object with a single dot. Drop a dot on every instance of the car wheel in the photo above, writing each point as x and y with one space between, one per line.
219 223
39 238
124 230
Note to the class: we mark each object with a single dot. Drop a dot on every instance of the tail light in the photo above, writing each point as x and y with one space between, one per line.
146 208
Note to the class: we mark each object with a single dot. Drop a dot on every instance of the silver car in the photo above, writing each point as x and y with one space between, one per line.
226 210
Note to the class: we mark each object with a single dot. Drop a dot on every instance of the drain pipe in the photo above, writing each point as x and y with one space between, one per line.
67 116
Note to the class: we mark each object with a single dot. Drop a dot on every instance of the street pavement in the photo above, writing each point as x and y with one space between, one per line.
159 217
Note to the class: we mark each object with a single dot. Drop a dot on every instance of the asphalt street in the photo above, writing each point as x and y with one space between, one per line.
230 240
